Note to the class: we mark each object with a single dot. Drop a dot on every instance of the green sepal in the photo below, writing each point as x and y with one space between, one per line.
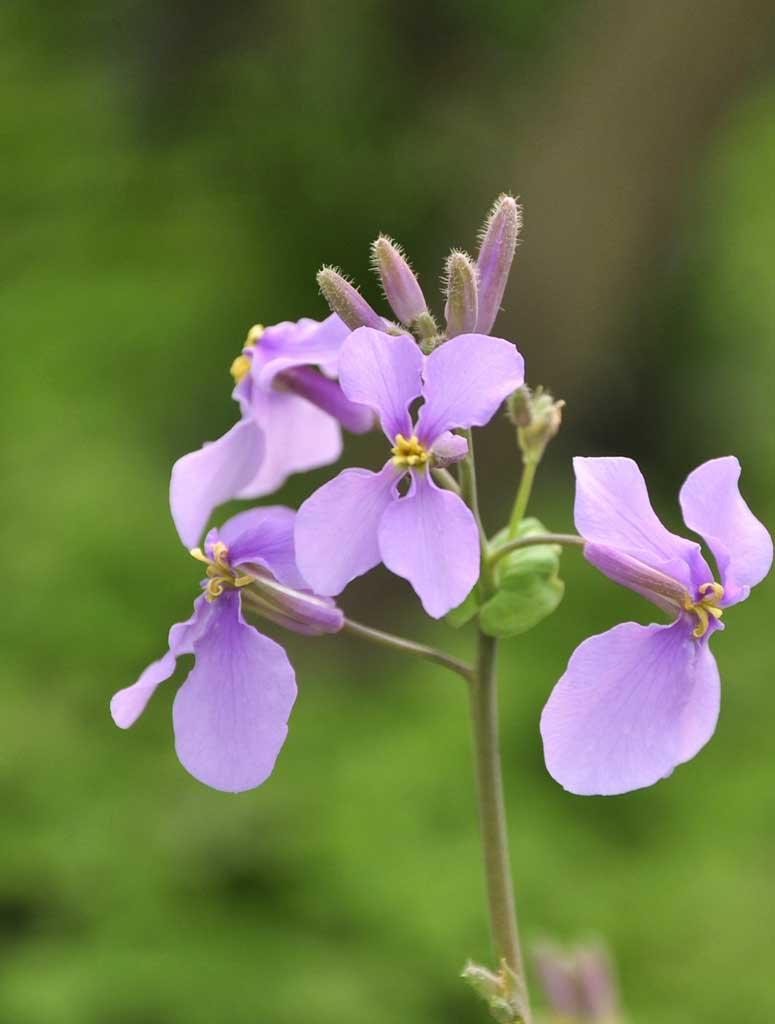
528 585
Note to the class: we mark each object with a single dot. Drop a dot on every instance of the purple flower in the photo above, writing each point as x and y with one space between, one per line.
230 715
637 701
358 519
290 422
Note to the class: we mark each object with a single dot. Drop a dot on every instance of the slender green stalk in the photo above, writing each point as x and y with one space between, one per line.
492 814
470 493
569 539
399 643
523 495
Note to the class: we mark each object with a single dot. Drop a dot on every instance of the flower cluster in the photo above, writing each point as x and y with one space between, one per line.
634 702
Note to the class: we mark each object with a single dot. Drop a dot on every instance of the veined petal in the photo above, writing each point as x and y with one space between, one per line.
634 703
230 716
383 372
128 704
465 380
336 527
327 395
305 343
713 507
264 536
612 508
430 538
298 436
216 473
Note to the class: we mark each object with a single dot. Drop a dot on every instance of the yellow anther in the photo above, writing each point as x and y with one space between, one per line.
409 452
240 368
220 574
708 605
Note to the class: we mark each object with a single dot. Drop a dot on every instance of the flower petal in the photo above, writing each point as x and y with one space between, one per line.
230 716
448 448
336 527
298 436
128 704
465 380
431 539
305 343
634 703
713 507
264 536
327 395
613 509
383 372
216 473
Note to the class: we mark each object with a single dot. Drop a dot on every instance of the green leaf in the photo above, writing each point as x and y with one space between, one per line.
464 612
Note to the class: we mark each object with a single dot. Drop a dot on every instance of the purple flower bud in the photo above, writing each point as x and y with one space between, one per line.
298 610
496 251
347 302
579 986
401 287
462 305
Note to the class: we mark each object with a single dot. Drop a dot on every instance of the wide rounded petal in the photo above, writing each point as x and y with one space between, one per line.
383 372
264 536
713 507
634 703
128 704
216 473
465 380
303 343
612 508
230 716
336 528
298 436
431 539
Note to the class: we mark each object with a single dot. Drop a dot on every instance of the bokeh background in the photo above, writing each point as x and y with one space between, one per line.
172 173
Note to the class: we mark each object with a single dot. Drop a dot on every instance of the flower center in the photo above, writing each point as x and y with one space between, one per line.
240 368
409 452
707 605
220 573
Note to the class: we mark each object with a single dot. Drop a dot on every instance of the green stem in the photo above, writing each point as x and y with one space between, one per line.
399 643
523 496
470 493
569 539
492 813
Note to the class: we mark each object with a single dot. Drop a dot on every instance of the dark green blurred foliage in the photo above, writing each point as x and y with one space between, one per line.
172 173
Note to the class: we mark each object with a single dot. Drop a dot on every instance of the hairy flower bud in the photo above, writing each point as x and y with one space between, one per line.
402 290
462 305
347 302
503 992
496 252
537 417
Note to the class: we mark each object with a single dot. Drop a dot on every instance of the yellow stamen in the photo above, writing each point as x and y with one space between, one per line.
220 574
708 605
240 368
409 452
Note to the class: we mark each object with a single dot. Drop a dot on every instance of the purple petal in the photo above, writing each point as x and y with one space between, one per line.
336 527
383 372
495 257
327 395
306 343
431 539
128 704
449 448
298 436
634 703
264 536
660 587
713 507
230 715
465 380
613 509
216 473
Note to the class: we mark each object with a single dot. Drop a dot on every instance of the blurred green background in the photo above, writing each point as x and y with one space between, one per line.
172 173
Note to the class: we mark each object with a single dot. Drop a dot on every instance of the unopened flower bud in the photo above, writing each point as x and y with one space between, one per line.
537 417
402 289
347 302
496 252
579 986
297 610
503 992
461 289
